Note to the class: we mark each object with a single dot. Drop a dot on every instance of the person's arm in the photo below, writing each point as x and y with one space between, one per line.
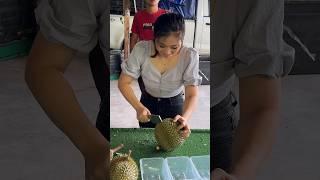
133 40
191 98
259 119
191 80
44 71
124 85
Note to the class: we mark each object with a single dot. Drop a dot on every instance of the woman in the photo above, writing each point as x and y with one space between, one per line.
248 45
167 69
66 29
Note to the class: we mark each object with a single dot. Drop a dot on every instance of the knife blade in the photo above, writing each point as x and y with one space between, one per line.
155 119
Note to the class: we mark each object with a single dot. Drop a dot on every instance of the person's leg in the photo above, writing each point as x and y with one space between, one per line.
100 75
222 127
101 123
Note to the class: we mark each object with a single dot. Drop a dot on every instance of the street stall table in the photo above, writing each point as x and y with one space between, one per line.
143 144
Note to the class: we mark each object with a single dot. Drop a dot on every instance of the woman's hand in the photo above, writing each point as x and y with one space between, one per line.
143 114
183 127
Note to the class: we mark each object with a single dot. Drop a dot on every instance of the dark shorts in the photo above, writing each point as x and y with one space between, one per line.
222 127
100 73
102 124
165 107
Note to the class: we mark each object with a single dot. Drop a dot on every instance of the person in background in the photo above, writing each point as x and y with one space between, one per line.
247 44
142 25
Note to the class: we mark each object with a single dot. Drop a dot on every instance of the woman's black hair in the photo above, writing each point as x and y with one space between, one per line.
166 24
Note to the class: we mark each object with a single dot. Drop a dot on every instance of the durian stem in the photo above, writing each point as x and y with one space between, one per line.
129 154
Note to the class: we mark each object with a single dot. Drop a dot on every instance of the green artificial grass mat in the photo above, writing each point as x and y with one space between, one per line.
143 144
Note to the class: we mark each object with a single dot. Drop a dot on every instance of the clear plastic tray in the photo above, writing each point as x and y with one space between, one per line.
154 169
202 164
181 168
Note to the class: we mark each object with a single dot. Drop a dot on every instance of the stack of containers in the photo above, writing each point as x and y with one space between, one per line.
176 168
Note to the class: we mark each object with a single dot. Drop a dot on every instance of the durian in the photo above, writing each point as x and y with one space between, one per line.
123 167
167 135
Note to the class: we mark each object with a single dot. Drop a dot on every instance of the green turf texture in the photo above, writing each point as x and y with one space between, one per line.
143 144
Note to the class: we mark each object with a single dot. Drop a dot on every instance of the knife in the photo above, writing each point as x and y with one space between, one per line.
155 119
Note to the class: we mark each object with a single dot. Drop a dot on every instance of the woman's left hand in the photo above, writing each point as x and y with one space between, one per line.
183 127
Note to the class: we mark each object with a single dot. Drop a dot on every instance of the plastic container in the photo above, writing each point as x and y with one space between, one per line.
202 164
181 168
154 169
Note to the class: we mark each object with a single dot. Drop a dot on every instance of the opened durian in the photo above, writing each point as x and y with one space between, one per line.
123 167
167 135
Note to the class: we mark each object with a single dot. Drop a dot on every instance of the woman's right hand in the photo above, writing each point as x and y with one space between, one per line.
143 114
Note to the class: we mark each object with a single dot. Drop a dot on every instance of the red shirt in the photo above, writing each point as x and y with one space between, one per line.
142 24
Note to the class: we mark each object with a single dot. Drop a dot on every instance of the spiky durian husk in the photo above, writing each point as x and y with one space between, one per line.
167 135
123 167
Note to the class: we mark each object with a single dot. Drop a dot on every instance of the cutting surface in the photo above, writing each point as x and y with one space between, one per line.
143 144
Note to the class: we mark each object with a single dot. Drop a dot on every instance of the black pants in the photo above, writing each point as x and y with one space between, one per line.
165 107
222 130
100 73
